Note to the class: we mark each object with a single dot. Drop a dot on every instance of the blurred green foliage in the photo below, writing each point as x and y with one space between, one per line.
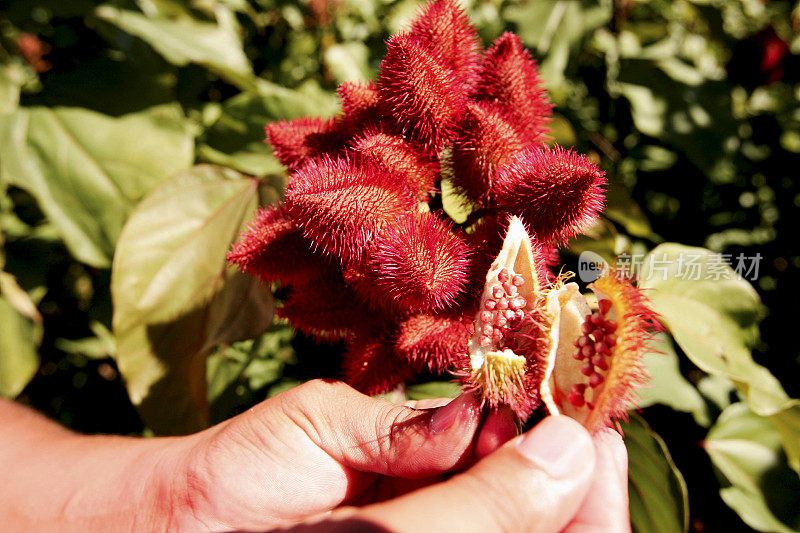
114 117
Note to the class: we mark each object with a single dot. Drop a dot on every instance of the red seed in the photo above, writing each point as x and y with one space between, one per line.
503 276
487 329
610 340
587 369
600 347
598 334
595 380
501 322
509 314
502 304
576 400
579 355
600 362
485 341
498 292
587 350
582 341
579 388
497 334
511 290
486 316
491 305
610 326
597 319
517 303
519 314
605 306
587 327
518 280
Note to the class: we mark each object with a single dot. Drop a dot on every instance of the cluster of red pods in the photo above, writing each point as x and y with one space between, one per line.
594 348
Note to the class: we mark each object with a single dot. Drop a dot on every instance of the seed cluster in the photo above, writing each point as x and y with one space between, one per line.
595 348
503 309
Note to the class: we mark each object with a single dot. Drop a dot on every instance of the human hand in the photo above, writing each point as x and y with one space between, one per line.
310 450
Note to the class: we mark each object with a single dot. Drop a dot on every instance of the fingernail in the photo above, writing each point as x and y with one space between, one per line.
444 417
558 445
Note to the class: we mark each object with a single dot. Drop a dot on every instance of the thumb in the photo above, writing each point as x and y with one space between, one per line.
535 482
373 435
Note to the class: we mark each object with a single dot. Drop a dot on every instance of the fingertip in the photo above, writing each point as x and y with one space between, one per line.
612 441
501 425
461 411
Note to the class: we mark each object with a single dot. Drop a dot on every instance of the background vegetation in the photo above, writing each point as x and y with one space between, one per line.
131 153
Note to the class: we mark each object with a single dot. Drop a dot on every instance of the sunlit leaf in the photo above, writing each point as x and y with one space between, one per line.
758 485
175 298
19 340
433 389
667 385
658 498
184 39
88 170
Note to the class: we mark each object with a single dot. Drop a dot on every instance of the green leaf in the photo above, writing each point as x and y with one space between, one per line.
175 298
183 40
12 77
553 28
667 385
714 321
235 130
238 374
433 389
658 498
88 170
19 338
746 449
623 210
348 62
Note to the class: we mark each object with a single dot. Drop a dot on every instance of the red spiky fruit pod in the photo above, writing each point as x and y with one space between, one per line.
421 94
324 308
445 29
509 77
273 249
296 141
371 366
341 204
359 100
486 141
400 157
418 264
557 192
436 343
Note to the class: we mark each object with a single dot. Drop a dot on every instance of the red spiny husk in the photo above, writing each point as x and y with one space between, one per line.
419 264
341 204
445 29
324 308
486 141
557 192
358 99
396 155
273 249
296 141
637 322
486 238
372 367
361 109
509 76
436 343
424 98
